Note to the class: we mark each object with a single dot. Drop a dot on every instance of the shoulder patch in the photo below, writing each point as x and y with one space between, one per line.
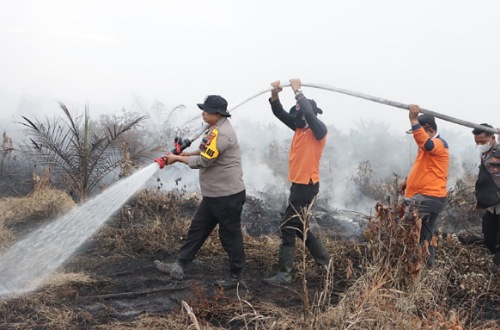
429 145
210 150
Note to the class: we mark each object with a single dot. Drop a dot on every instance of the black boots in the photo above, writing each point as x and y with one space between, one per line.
319 252
285 267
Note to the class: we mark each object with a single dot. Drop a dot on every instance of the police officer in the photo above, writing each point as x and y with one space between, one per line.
487 197
221 181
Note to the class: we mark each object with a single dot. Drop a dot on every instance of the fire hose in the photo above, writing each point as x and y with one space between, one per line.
341 91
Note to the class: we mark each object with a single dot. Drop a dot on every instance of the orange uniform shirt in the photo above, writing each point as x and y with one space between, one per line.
429 173
304 157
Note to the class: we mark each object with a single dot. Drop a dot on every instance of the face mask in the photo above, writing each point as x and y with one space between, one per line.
297 113
483 147
300 123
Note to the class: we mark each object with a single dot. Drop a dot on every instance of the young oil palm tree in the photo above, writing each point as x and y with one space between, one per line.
82 153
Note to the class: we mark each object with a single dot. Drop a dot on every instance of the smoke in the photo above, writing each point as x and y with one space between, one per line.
370 154
373 145
359 167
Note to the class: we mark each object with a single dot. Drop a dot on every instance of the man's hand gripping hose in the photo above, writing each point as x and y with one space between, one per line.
179 145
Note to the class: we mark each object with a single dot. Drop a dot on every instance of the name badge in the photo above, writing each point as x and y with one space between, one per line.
210 150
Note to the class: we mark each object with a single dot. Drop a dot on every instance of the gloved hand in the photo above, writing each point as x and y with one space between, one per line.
162 161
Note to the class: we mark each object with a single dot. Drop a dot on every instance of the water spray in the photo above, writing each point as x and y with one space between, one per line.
26 264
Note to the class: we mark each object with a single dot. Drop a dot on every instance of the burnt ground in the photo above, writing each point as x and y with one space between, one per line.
130 286
126 286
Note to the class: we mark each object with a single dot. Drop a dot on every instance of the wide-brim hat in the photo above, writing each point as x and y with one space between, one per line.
314 106
214 104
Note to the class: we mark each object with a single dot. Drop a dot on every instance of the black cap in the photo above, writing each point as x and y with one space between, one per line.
477 131
214 104
426 121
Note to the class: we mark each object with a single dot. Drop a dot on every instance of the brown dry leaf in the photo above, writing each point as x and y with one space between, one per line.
416 267
401 210
418 223
391 216
426 248
434 241
455 327
349 268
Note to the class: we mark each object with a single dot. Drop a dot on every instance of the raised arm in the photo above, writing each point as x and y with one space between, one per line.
306 106
277 107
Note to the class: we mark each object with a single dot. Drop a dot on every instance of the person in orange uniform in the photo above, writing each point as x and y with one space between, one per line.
425 186
305 153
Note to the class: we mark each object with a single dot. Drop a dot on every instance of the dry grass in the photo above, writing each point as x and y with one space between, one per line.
380 283
265 316
6 235
41 204
61 279
396 291
147 321
150 223
41 311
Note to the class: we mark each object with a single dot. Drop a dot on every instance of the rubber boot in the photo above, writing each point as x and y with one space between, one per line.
231 282
319 252
174 269
285 267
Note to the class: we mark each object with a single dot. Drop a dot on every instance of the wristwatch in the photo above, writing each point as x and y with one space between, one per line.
298 91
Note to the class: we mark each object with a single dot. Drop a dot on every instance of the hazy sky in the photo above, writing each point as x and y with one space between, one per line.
443 55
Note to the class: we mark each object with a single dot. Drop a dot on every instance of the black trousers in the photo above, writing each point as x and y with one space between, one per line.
291 226
428 208
225 211
491 231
